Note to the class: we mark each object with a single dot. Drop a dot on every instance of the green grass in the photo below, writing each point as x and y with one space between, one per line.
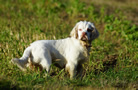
113 58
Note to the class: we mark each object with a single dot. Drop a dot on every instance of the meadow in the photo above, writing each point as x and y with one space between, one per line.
113 61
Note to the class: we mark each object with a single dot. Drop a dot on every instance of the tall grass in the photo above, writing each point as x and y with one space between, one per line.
113 59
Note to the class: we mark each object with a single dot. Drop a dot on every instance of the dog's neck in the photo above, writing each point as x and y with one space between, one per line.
86 44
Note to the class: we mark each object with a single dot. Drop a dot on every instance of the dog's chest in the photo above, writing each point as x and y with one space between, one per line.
82 56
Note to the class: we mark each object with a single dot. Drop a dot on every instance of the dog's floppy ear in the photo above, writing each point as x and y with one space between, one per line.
74 32
95 33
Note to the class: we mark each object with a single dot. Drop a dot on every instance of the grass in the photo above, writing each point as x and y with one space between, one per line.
113 59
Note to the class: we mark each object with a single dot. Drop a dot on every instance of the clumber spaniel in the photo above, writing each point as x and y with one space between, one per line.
69 53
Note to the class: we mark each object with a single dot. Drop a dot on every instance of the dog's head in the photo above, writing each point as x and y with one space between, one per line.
84 31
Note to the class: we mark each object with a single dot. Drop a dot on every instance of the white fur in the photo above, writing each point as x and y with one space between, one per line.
70 52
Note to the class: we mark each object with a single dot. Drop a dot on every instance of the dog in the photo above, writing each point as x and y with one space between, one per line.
69 53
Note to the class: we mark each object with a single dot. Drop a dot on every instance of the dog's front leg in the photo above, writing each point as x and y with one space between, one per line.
71 68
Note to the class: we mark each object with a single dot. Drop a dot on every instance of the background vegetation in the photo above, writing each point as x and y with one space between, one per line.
113 61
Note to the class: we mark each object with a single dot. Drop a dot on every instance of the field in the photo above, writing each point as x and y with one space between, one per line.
113 61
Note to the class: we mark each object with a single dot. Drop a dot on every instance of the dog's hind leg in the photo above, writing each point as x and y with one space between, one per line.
46 61
21 62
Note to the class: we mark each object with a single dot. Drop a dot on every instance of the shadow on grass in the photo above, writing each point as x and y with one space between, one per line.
109 61
7 85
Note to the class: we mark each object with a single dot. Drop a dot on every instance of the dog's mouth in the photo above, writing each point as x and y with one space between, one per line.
84 38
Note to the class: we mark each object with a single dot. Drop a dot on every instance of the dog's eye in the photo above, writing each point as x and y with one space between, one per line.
80 29
89 30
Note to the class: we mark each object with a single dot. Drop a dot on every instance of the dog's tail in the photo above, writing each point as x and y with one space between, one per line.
23 60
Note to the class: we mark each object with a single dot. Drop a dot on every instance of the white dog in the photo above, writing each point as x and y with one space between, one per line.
69 53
